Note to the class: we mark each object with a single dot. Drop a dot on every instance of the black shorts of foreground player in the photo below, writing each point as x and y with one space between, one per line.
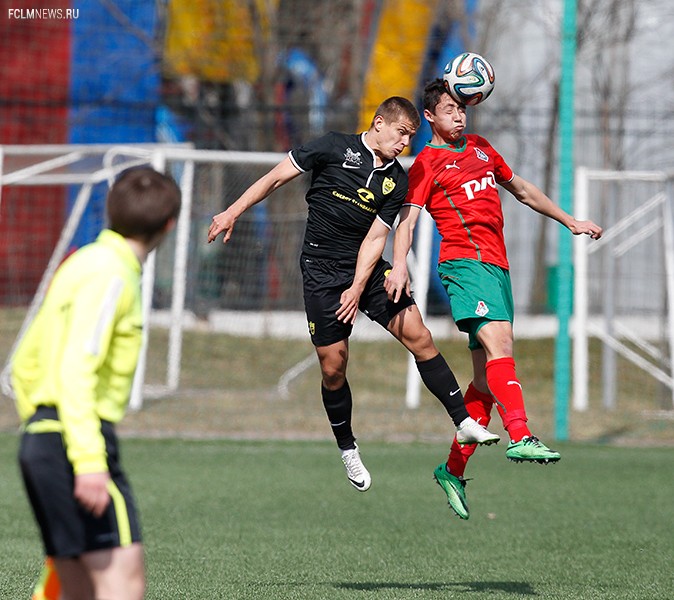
357 188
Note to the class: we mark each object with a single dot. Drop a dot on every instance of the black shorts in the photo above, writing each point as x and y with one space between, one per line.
324 280
67 529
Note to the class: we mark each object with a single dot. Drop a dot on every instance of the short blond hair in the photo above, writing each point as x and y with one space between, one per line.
397 108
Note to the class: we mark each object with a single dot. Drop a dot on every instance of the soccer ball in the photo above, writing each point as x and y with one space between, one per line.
469 78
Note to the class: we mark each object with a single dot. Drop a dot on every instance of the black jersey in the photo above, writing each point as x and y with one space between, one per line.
347 193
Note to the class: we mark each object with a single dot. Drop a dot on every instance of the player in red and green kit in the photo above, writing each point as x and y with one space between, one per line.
455 177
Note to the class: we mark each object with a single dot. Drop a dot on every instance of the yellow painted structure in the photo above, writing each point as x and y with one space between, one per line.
398 53
216 40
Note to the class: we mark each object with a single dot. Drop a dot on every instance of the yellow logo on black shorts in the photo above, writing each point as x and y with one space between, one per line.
312 327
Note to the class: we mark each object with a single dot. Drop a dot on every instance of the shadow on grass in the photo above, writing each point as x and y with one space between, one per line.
512 587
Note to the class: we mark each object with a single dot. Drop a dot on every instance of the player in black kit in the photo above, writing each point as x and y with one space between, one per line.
357 188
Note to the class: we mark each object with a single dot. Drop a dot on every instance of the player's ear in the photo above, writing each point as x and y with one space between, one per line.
170 224
158 237
378 122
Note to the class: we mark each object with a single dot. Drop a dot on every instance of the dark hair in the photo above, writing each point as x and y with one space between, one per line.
432 93
397 108
141 202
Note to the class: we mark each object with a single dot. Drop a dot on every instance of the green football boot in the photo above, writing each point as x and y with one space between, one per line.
454 487
531 449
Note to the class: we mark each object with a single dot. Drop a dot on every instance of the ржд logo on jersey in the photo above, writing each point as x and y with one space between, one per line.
352 160
477 185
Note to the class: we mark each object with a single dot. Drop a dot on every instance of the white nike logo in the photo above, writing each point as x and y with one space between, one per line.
455 392
512 382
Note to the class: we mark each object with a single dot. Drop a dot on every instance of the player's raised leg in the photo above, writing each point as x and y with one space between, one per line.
449 475
408 327
338 403
496 337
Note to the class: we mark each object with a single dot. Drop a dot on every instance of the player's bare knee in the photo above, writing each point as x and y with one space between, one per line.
497 341
420 343
333 377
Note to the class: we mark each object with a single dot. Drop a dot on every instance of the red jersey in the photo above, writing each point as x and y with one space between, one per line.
457 184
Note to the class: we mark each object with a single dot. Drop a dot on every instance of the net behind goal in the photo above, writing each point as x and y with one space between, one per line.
53 202
213 308
227 323
624 290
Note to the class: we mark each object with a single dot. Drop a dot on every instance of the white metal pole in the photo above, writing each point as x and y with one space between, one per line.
669 270
421 278
180 277
136 400
580 300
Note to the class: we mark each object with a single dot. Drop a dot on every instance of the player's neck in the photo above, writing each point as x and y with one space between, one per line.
371 141
438 140
139 249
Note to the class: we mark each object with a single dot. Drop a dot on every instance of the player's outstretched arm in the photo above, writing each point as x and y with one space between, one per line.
527 193
588 227
224 222
399 279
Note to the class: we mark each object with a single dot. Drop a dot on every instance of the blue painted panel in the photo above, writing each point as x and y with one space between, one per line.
114 87
434 67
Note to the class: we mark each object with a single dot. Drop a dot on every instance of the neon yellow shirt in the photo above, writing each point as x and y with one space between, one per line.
80 352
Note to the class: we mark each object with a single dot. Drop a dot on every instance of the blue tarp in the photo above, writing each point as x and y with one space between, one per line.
114 85
435 65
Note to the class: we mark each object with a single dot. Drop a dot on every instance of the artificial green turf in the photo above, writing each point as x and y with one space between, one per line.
249 520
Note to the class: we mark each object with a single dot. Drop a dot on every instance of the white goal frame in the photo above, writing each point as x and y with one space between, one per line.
51 165
659 212
47 163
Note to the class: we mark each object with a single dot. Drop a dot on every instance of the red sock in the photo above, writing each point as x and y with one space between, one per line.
479 407
507 391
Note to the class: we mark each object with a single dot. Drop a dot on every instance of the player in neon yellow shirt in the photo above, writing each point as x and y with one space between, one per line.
72 375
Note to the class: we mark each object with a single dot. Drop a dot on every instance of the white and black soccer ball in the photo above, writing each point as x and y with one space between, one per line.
469 78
